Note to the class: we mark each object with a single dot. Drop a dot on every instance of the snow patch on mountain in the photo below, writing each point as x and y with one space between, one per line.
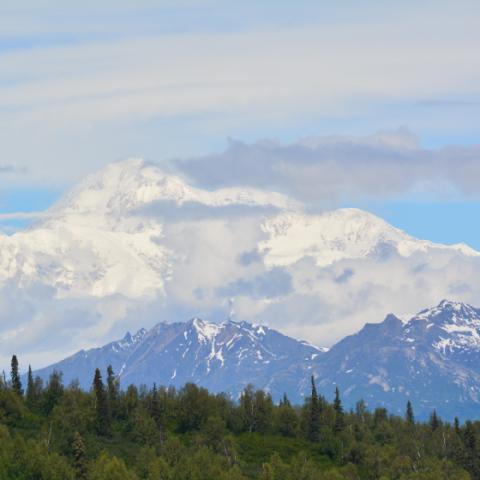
206 331
224 357
428 360
125 186
92 240
341 234
454 326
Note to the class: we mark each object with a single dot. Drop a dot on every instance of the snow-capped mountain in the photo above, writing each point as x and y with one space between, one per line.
93 238
133 237
122 187
432 359
346 233
223 357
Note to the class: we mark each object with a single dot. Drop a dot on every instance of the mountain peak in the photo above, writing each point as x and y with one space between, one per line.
129 339
121 187
448 309
453 305
125 186
206 331
223 357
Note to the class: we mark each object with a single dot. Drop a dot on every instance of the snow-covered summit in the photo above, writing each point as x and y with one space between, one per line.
122 187
93 239
340 234
453 328
449 310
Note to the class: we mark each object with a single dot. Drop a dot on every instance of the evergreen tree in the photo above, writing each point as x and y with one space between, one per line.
286 421
456 425
112 385
263 411
80 458
15 377
337 406
155 408
361 410
314 420
434 420
247 408
30 388
101 405
53 392
472 460
285 401
409 417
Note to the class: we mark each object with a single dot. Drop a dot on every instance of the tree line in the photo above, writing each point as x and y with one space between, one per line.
52 431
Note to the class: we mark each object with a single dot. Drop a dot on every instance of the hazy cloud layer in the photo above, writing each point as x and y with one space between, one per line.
271 284
162 80
326 170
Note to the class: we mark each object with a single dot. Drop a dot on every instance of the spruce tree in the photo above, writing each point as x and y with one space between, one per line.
53 392
472 461
314 421
285 401
101 405
15 377
286 419
434 420
247 407
30 389
80 457
409 417
112 385
155 408
456 425
337 406
361 410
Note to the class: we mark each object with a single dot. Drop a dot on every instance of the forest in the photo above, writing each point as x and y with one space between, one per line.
51 431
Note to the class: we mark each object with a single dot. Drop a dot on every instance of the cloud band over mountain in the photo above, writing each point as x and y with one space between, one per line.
132 245
326 171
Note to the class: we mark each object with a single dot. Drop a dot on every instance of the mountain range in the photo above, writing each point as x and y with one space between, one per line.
431 359
137 241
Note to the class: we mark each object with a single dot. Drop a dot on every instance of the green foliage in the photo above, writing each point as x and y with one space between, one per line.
15 377
337 406
163 434
111 468
53 392
409 417
79 457
113 386
286 420
101 405
314 415
12 409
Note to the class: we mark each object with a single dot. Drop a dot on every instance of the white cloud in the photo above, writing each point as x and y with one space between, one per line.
325 171
22 215
79 101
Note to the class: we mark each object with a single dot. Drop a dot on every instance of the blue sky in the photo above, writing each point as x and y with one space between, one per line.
82 86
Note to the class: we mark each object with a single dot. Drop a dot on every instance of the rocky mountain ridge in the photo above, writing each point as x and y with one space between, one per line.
431 359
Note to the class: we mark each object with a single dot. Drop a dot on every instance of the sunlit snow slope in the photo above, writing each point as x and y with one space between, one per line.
97 241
